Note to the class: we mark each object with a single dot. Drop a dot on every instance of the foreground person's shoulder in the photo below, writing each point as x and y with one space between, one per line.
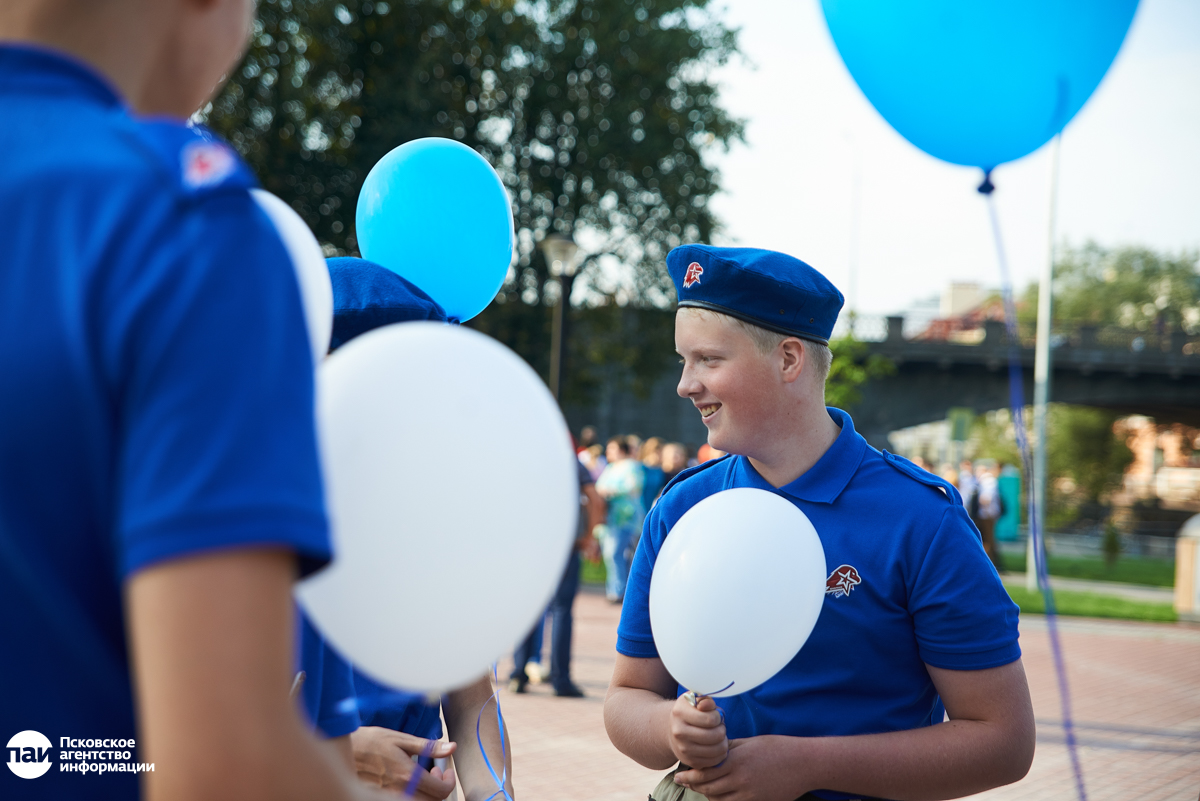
188 161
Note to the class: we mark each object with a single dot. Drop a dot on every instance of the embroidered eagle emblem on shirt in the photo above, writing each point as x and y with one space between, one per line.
692 276
206 164
841 581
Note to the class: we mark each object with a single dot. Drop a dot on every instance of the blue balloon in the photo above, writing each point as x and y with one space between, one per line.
436 213
978 82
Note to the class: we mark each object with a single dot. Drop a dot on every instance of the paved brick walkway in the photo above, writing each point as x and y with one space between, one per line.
1135 687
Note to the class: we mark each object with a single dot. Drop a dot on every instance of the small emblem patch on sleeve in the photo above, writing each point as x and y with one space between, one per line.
206 164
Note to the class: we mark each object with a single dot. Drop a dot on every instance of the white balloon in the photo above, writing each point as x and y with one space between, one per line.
453 494
312 274
737 588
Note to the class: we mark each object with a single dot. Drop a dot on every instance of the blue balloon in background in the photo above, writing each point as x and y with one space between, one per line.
436 213
978 82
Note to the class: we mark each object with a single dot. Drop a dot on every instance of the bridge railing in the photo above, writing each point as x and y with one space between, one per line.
896 328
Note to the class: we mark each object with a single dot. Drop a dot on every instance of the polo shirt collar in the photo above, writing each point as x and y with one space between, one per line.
825 480
33 69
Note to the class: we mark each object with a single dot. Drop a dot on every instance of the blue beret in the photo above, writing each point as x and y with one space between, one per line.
366 296
771 290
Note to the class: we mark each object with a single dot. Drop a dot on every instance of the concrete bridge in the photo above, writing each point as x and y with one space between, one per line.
1128 371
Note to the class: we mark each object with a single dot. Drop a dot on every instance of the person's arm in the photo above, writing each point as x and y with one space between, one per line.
211 645
596 508
596 513
646 722
987 742
461 709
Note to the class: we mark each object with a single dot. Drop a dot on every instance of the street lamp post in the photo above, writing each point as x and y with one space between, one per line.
560 251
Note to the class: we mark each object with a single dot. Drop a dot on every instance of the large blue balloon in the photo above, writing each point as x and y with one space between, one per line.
435 212
978 82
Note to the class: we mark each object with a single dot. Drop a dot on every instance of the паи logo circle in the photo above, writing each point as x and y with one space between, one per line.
28 754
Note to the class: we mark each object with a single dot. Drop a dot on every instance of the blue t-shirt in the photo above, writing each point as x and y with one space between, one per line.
909 584
157 393
398 710
328 692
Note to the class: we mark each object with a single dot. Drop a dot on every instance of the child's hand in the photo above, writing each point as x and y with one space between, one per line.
698 733
383 758
753 771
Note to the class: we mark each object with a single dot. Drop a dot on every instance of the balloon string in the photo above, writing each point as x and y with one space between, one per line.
1017 404
695 697
502 779
410 789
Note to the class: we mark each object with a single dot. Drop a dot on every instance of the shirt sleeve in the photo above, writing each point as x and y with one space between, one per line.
207 345
328 689
963 617
634 637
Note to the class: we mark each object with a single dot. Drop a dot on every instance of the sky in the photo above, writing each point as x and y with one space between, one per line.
1129 167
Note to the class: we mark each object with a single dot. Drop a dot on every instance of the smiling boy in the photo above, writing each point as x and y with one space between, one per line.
916 626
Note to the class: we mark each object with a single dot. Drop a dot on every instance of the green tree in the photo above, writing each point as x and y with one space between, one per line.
1130 287
851 368
327 88
627 347
596 113
994 437
1085 460
1085 457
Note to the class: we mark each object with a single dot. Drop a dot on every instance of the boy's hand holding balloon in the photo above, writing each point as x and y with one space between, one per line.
698 732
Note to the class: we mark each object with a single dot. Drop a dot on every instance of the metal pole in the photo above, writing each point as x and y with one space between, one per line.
556 341
1041 377
564 333
855 212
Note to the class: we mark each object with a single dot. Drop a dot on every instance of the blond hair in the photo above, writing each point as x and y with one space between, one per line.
766 341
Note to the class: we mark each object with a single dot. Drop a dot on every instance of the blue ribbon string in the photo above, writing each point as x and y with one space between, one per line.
410 789
502 779
698 697
1017 404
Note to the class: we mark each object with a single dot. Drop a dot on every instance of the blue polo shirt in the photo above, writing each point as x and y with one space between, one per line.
909 585
395 709
156 401
328 692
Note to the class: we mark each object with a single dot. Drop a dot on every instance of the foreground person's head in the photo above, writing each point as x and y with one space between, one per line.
164 57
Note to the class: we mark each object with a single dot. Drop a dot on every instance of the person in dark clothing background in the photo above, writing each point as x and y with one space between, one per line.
591 512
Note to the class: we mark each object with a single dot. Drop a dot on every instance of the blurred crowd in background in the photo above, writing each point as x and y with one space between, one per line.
620 480
630 473
979 484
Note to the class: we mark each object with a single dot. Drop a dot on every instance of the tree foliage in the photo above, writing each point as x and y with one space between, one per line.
1085 458
596 114
1083 447
851 368
1129 287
